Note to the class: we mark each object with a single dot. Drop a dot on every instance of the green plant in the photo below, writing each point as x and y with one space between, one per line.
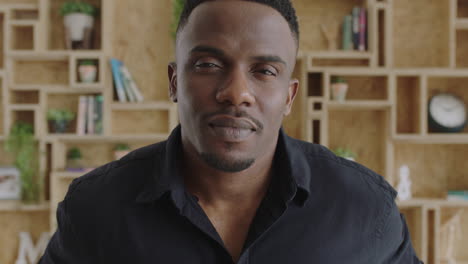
74 154
177 6
59 115
122 146
338 79
21 143
77 6
344 152
87 62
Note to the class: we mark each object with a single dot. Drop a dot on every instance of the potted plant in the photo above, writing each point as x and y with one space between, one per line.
87 71
121 150
339 88
74 160
78 18
22 144
60 118
345 153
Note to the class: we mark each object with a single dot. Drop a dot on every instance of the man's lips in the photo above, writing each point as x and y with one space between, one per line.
232 122
232 129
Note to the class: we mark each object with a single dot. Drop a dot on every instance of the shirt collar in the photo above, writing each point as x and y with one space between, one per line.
293 172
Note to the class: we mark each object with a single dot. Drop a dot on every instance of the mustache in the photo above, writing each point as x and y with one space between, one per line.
236 113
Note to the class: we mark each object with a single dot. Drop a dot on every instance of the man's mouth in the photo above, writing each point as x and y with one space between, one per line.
232 129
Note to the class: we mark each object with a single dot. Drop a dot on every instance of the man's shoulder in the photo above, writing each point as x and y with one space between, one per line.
120 179
343 174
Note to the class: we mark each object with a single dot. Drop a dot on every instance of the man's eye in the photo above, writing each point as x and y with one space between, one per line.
206 65
267 72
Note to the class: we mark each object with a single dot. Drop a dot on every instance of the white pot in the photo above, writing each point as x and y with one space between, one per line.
339 91
76 23
88 73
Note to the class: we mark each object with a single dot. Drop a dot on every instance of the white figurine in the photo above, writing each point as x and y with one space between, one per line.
404 186
29 253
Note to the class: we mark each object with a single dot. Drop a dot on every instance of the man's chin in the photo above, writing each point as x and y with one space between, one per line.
227 164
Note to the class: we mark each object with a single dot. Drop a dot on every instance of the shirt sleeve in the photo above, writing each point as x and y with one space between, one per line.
65 246
393 240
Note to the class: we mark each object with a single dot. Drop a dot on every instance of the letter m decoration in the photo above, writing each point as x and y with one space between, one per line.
28 253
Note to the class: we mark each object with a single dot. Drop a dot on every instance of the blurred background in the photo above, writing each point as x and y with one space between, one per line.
383 82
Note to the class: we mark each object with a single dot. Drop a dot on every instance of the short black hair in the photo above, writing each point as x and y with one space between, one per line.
284 7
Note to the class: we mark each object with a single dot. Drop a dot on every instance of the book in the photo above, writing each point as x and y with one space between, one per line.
362 30
457 195
98 124
81 119
135 90
356 26
126 84
90 115
118 83
347 41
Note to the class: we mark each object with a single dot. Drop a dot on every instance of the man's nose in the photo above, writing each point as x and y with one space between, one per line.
236 90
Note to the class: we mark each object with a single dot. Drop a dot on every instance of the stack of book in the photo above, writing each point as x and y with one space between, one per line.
89 119
124 84
355 30
458 195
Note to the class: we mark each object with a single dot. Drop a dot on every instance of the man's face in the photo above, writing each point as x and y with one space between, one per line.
232 81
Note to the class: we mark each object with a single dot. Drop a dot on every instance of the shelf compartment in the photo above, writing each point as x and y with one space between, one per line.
454 85
22 36
75 61
149 122
363 132
57 30
328 12
434 168
408 108
448 218
25 14
69 102
315 82
25 115
24 97
362 87
462 8
411 44
462 48
41 72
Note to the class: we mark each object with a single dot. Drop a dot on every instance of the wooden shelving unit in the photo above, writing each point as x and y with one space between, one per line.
415 49
38 73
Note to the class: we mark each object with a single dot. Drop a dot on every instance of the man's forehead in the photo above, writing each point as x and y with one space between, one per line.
236 22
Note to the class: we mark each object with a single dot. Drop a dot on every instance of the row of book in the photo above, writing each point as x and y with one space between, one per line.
459 195
125 86
89 120
355 30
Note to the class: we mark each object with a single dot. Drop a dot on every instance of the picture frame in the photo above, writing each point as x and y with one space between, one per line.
10 185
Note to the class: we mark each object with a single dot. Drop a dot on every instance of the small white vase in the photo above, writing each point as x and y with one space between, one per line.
118 154
87 73
338 91
76 23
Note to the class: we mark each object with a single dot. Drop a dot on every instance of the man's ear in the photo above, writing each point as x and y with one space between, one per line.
293 88
172 75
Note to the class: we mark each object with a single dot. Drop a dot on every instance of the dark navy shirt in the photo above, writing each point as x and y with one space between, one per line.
319 209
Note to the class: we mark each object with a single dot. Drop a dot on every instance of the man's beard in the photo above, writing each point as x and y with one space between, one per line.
232 166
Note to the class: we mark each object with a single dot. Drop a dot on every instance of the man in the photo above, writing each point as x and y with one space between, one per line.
229 186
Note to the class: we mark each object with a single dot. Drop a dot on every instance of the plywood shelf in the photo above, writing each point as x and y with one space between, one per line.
462 24
161 105
17 206
105 138
418 202
359 104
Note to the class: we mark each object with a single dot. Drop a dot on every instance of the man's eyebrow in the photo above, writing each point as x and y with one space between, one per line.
208 49
269 58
